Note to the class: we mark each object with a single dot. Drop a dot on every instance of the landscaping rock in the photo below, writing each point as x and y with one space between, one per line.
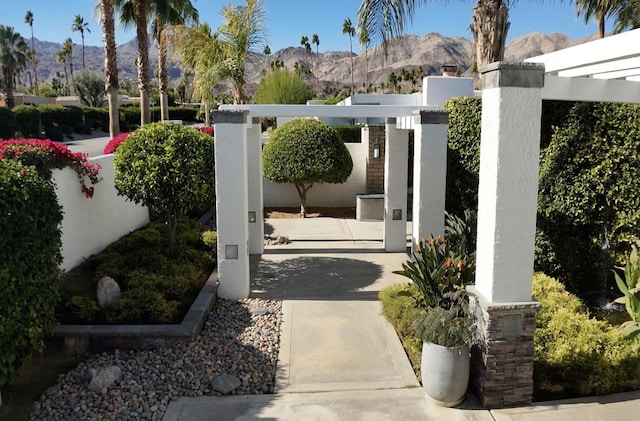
102 379
225 384
108 291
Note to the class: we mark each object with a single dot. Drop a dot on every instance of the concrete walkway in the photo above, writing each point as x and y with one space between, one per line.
339 358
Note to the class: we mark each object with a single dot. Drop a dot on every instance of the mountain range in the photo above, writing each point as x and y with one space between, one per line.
430 51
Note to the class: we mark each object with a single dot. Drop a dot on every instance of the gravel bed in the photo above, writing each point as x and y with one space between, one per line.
240 338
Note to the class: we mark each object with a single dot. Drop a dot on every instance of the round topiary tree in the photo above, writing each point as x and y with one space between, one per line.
169 168
305 152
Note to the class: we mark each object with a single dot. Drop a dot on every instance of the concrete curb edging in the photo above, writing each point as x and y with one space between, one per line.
79 339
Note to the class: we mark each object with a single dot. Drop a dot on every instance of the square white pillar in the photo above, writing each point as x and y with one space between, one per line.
507 197
254 162
232 204
395 187
429 174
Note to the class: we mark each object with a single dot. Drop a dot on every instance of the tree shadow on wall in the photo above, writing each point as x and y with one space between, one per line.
315 277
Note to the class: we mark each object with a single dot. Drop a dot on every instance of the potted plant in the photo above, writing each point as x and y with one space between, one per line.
439 272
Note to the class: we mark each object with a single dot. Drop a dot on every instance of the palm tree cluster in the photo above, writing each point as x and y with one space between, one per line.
13 58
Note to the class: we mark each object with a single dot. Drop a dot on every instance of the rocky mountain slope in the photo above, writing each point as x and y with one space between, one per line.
334 67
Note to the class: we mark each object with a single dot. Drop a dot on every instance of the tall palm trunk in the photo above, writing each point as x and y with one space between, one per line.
489 25
601 33
7 75
35 63
143 61
351 49
110 65
163 77
83 64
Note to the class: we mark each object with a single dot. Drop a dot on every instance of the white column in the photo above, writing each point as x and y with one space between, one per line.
429 174
256 214
395 187
509 155
231 204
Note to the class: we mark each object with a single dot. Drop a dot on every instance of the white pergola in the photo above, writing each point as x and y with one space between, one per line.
603 70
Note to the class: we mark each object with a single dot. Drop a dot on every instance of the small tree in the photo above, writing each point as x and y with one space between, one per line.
167 167
305 152
89 86
282 86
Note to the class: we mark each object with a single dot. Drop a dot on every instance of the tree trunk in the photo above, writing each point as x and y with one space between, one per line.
489 25
207 116
601 27
302 192
143 60
110 65
351 56
35 62
162 73
8 81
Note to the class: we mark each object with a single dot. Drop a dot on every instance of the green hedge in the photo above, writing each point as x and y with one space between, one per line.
7 124
574 354
349 134
29 211
131 115
97 118
28 120
55 115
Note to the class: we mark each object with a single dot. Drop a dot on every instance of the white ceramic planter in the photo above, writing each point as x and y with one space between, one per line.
445 373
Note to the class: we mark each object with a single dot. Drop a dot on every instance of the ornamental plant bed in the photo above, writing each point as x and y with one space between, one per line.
158 283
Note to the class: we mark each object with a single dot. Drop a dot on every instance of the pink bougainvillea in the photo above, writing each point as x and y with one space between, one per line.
205 129
114 143
46 155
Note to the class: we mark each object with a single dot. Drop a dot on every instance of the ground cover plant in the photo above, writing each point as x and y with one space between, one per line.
158 282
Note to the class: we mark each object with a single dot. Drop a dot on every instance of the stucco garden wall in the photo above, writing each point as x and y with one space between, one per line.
91 224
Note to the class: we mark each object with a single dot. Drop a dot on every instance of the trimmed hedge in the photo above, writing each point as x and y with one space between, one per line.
132 114
349 134
7 123
55 115
29 211
98 118
574 354
28 120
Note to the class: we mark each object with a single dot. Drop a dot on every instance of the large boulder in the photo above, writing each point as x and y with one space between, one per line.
102 379
108 291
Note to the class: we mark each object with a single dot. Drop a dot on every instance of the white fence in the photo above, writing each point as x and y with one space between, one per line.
325 194
91 224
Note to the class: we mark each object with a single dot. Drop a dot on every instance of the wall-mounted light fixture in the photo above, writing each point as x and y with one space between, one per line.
252 216
376 149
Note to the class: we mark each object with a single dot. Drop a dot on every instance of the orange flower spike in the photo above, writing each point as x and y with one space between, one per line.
448 263
460 264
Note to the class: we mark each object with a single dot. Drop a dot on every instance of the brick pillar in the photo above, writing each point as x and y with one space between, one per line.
372 135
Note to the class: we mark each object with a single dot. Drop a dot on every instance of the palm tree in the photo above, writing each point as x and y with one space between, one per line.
135 12
385 20
79 25
304 41
267 52
110 64
628 16
28 19
365 42
199 51
315 39
348 29
67 47
13 58
600 10
163 13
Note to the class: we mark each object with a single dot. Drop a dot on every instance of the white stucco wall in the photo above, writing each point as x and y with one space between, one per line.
91 224
343 195
436 90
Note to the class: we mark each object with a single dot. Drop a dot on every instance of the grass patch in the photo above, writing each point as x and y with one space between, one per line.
158 282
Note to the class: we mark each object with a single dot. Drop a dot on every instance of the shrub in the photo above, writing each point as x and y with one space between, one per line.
205 129
89 86
304 152
575 355
588 209
282 86
98 118
8 124
83 308
349 134
55 115
28 120
183 113
75 115
114 143
130 114
30 249
46 155
167 167
53 134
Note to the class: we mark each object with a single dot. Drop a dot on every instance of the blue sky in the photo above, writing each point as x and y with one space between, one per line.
288 20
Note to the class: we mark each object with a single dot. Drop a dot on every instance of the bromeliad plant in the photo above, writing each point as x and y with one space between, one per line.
630 287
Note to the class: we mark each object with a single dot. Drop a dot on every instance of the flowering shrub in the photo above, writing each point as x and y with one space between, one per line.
114 143
205 129
46 155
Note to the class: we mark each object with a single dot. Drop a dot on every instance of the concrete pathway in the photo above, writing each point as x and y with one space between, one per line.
339 358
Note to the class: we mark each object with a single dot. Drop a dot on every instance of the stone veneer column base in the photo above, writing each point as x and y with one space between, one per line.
502 360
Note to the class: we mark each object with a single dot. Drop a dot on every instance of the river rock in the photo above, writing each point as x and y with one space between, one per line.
225 384
108 291
102 379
